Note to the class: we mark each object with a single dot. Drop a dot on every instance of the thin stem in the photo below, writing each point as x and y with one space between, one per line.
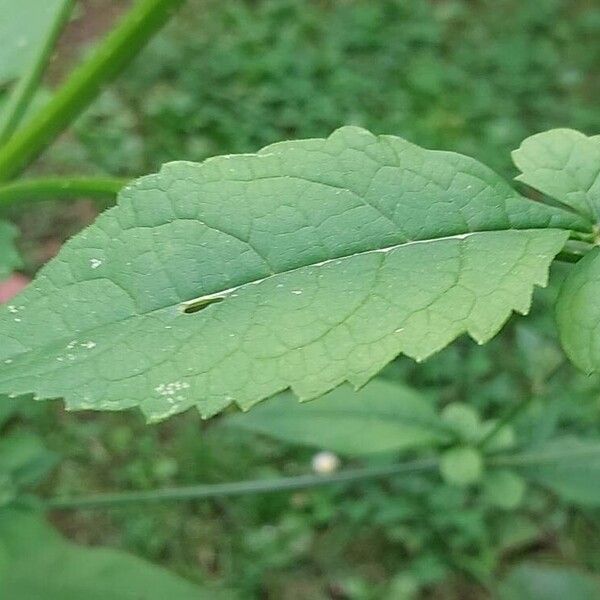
24 90
220 490
60 188
85 83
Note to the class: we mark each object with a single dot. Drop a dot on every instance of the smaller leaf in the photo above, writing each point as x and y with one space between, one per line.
568 466
38 563
578 313
383 416
543 582
9 257
564 164
461 466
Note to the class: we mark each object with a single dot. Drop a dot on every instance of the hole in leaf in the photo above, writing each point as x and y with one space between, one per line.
194 306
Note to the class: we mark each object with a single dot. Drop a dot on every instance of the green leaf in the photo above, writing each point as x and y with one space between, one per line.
568 466
35 562
462 465
305 265
563 164
9 257
578 312
24 27
546 582
383 416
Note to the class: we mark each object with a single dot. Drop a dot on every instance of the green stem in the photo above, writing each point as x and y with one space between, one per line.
23 91
220 490
51 188
85 83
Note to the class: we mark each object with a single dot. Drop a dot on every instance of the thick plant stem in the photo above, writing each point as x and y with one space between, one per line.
239 488
85 83
23 91
60 188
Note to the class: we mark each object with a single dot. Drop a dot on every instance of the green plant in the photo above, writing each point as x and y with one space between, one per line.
303 266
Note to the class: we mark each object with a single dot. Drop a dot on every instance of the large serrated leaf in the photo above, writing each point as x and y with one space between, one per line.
305 265
383 416
36 563
9 257
564 164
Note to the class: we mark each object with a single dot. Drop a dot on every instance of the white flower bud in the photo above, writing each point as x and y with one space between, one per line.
325 462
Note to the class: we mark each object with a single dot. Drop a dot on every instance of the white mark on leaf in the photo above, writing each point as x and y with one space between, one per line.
171 389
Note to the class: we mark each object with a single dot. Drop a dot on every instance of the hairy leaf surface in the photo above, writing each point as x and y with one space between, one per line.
305 265
564 164
9 257
383 416
37 563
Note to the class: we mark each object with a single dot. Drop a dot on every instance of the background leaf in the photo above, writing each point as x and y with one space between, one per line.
35 562
23 28
383 416
548 582
305 265
564 164
568 466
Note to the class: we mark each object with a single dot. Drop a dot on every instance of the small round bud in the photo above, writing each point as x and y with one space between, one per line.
325 462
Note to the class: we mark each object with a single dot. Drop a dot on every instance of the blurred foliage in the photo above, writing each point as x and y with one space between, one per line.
231 76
